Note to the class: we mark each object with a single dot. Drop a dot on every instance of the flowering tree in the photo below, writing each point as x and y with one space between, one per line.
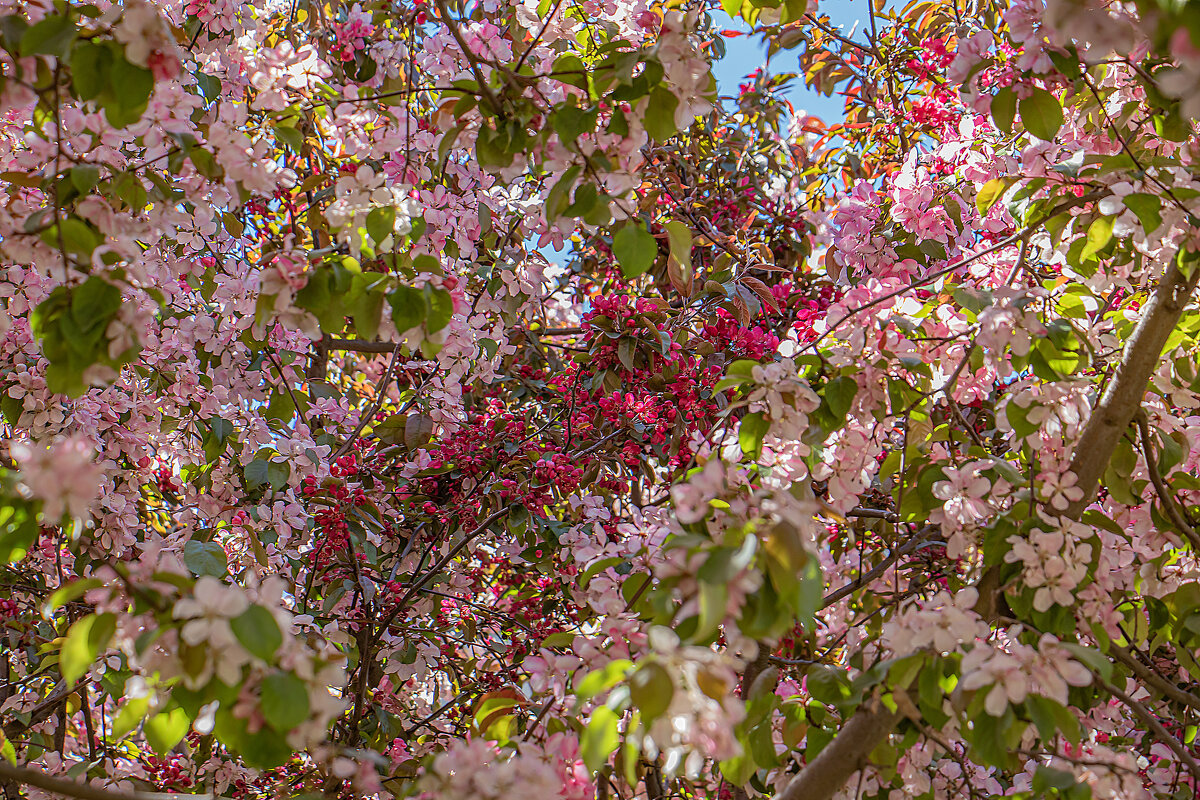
848 458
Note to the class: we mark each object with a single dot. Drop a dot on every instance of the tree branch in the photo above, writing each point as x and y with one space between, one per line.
469 55
1152 678
848 752
826 774
358 345
880 568
1160 487
1123 397
1019 236
42 711
77 790
1160 733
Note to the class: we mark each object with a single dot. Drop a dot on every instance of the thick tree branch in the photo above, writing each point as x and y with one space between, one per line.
1123 397
826 774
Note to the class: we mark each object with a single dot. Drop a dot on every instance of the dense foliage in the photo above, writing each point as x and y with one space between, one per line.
850 458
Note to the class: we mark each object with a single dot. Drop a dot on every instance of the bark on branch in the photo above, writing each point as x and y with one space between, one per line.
1123 397
826 774
75 789
358 345
1170 507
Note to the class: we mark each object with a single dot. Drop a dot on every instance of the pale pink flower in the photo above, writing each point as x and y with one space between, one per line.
963 492
1059 489
65 475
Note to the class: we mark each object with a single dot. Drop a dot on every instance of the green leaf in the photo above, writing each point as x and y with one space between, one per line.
660 114
85 177
77 237
1004 109
12 28
1098 236
739 769
602 679
7 750
381 223
839 394
130 715
66 594
989 193
83 644
94 303
1047 778
52 36
590 205
626 350
166 729
439 308
1042 114
12 408
257 472
570 122
128 92
18 530
221 428
278 473
258 632
205 558
408 307
128 187
1091 658
634 248
209 85
284 700
751 432
680 237
367 311
651 690
714 600
600 738
289 137
1147 207
418 430
826 684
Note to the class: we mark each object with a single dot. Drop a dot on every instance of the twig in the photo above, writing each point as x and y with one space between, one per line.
468 54
381 394
1164 494
1155 727
1153 678
1020 235
874 572
402 603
